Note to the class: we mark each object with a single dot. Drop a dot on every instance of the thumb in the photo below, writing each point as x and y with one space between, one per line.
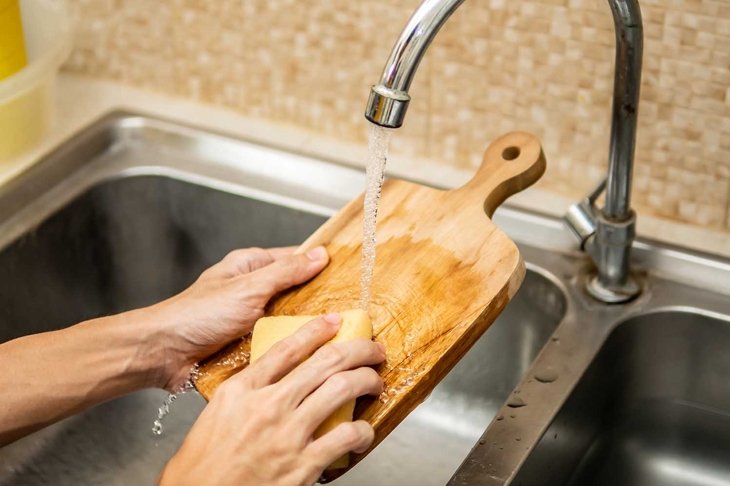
292 269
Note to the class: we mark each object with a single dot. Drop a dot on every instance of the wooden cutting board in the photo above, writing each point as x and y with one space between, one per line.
443 274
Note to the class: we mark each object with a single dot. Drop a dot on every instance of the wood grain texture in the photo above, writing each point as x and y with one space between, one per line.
443 274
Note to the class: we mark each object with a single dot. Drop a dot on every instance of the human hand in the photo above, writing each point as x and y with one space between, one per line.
223 304
258 427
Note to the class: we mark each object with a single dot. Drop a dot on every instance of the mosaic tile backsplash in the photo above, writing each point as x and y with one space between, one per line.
544 66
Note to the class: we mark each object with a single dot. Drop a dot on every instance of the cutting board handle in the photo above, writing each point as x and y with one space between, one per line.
511 163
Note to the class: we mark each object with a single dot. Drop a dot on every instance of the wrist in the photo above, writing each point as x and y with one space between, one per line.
164 351
151 357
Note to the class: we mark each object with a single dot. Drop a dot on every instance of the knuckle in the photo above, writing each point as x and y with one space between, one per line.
332 355
375 349
294 264
368 434
244 259
351 434
242 381
268 413
288 264
287 351
235 255
228 390
260 255
373 378
315 329
254 314
263 286
317 326
341 385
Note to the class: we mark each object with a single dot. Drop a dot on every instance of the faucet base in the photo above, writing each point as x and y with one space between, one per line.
617 295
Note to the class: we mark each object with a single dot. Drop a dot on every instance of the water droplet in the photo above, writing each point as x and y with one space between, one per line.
482 442
164 409
501 417
516 402
518 439
546 375
555 339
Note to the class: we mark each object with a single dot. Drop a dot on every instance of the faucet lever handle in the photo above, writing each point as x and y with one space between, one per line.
581 216
596 192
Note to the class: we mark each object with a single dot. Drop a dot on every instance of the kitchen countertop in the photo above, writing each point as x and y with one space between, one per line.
82 100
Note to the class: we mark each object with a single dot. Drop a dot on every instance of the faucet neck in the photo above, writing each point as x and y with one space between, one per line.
626 86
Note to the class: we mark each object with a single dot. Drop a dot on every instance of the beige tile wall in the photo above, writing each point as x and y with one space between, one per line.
539 65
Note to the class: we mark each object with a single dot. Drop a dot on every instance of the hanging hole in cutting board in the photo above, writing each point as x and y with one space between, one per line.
511 153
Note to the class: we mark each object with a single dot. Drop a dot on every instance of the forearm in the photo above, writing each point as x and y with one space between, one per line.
50 376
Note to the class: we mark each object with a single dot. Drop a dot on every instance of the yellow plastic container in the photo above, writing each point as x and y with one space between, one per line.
27 97
12 45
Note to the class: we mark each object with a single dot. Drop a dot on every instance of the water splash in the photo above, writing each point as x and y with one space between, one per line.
164 409
379 140
235 360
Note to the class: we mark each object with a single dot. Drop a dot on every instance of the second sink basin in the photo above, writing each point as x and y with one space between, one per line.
653 409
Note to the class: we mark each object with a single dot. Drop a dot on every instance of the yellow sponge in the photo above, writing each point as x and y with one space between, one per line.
270 330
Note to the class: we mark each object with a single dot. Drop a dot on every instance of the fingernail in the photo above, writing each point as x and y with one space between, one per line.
316 254
333 318
382 348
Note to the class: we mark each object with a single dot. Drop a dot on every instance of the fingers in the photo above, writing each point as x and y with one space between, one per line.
239 262
335 392
282 251
290 270
288 353
246 260
347 437
327 361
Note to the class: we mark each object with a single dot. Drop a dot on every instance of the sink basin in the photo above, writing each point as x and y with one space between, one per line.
652 409
136 238
125 243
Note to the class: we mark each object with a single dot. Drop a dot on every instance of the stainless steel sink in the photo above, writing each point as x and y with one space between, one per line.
652 409
130 210
130 213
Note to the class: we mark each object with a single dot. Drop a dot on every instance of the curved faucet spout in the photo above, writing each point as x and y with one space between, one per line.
389 100
607 235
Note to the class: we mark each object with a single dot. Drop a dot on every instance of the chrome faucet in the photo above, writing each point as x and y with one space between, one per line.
605 234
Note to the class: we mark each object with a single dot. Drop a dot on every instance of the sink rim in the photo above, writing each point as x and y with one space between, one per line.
675 275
